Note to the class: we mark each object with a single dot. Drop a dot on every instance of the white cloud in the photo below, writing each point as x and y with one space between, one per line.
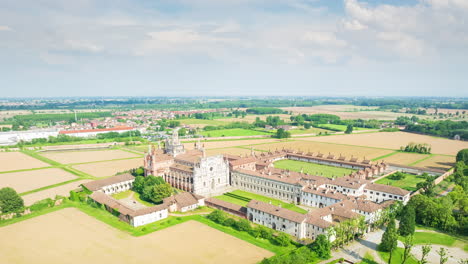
354 25
80 45
324 38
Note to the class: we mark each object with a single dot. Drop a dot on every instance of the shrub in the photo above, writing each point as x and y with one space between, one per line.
321 246
243 225
282 240
230 222
42 204
265 232
217 216
397 176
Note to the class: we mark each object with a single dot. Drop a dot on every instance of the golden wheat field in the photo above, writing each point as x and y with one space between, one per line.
18 161
109 168
63 190
24 181
231 151
404 158
306 146
67 157
71 236
394 140
437 162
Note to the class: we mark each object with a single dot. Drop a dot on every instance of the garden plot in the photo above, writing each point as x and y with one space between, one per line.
394 140
10 161
109 168
71 236
62 190
67 157
30 180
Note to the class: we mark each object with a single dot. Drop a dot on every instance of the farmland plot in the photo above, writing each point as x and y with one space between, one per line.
71 236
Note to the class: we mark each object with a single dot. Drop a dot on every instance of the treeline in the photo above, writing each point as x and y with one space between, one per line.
265 110
422 148
60 117
403 102
319 119
66 138
270 120
445 128
448 213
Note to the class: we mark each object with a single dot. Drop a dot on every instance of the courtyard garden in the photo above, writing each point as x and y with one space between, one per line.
243 198
313 168
405 181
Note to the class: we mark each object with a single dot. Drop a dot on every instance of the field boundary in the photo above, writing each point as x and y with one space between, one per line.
385 156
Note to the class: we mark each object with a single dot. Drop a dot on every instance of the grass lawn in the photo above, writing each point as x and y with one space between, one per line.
397 257
408 183
136 197
233 132
257 197
202 122
422 238
341 127
122 195
313 168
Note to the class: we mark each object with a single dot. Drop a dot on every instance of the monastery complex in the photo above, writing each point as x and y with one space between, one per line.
331 200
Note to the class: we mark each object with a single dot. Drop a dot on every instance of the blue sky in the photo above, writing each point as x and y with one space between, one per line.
233 47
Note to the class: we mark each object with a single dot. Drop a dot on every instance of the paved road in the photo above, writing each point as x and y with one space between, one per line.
357 250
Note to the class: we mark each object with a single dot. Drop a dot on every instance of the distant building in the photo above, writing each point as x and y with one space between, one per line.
86 133
13 137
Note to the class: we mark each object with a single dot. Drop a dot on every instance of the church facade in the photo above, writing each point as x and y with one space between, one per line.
191 171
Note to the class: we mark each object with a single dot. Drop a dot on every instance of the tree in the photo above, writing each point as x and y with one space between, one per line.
281 133
307 125
159 192
139 184
389 237
408 245
349 129
182 132
407 221
10 201
321 246
425 251
264 232
462 155
443 254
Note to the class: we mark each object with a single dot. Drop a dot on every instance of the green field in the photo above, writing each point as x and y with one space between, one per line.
202 122
234 132
313 168
311 130
242 198
341 127
408 183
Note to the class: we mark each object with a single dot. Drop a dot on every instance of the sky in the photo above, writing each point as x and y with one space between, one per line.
51 48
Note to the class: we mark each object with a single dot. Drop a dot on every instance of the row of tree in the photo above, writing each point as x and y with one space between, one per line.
422 148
